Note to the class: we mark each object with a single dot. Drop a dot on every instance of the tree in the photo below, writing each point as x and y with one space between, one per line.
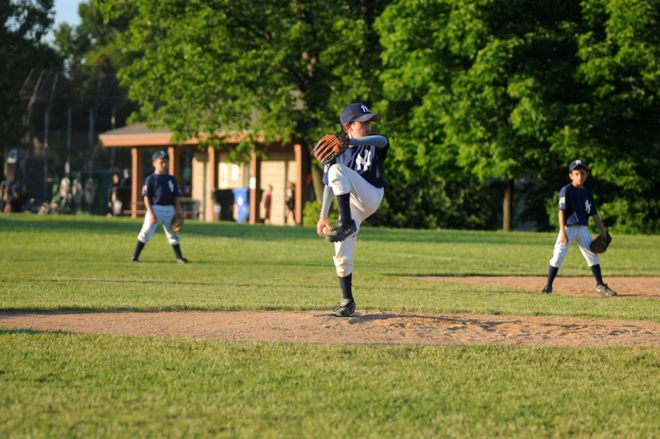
615 123
495 90
280 69
484 81
93 57
25 23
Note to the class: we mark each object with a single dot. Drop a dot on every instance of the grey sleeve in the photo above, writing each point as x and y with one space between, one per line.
379 141
327 202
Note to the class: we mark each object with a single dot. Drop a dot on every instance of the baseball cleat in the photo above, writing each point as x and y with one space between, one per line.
134 259
182 260
345 309
342 231
605 291
547 290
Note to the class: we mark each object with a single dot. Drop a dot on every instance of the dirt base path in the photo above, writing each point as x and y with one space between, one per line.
367 328
571 286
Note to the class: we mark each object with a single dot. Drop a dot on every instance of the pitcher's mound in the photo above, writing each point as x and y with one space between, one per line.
367 328
572 286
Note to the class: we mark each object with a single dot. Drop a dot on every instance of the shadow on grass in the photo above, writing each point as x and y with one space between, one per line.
14 331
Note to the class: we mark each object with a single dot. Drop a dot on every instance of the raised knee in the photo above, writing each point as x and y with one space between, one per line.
343 265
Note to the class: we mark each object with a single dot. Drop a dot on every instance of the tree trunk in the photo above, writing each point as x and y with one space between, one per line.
507 205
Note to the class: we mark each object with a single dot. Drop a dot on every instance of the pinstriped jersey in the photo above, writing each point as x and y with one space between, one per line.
366 160
578 204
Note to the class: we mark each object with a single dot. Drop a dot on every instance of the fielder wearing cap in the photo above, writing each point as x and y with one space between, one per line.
161 194
576 205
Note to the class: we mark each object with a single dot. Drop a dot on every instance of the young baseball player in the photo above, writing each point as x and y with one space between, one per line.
161 195
356 178
576 205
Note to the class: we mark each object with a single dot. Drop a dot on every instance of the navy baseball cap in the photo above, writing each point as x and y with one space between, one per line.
577 164
357 112
159 155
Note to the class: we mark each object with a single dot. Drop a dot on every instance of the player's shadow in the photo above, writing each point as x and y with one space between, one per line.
488 325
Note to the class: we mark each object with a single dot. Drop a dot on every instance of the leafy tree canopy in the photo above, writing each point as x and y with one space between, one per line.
283 69
24 24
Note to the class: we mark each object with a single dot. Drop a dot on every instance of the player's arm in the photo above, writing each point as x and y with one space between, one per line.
378 141
150 210
323 225
600 225
562 227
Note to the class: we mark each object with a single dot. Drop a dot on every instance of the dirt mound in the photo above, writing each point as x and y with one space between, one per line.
367 328
571 286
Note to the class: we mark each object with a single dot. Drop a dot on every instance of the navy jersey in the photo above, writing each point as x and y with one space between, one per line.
366 160
578 205
162 189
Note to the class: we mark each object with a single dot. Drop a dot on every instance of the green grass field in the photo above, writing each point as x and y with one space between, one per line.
66 385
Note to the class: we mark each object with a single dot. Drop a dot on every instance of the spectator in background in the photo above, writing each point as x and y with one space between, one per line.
268 201
114 204
126 182
4 194
290 203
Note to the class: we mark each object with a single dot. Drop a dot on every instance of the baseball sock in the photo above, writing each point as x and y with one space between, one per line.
552 273
138 249
346 287
595 269
177 251
344 202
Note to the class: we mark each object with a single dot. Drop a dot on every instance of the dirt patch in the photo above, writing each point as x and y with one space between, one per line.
367 328
570 286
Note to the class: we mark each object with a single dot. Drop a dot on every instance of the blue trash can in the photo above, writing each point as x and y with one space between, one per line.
242 204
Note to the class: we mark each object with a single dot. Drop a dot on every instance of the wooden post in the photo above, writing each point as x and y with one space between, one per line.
174 154
211 183
507 206
137 177
255 184
301 182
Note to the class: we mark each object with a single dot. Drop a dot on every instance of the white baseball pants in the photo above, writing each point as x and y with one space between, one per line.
164 214
365 200
581 235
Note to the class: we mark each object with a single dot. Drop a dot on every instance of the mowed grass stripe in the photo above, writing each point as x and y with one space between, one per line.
59 385
82 263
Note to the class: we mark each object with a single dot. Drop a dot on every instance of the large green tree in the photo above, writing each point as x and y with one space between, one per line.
615 123
479 85
24 25
495 90
281 69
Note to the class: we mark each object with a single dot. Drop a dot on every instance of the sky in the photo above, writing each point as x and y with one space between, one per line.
67 11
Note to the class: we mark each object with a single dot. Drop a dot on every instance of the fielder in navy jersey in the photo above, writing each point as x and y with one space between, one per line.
161 194
576 205
356 178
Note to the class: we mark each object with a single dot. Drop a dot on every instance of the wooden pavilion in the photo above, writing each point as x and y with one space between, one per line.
210 170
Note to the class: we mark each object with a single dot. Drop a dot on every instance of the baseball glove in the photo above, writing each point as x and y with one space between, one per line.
329 147
600 243
177 223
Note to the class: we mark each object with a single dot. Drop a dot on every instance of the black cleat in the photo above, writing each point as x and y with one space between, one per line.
604 291
181 260
134 259
345 309
342 231
547 290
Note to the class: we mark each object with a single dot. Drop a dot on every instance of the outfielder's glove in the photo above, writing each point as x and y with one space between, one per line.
600 243
177 223
329 147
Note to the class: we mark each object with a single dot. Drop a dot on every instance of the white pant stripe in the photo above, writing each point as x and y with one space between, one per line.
164 214
365 200
581 235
